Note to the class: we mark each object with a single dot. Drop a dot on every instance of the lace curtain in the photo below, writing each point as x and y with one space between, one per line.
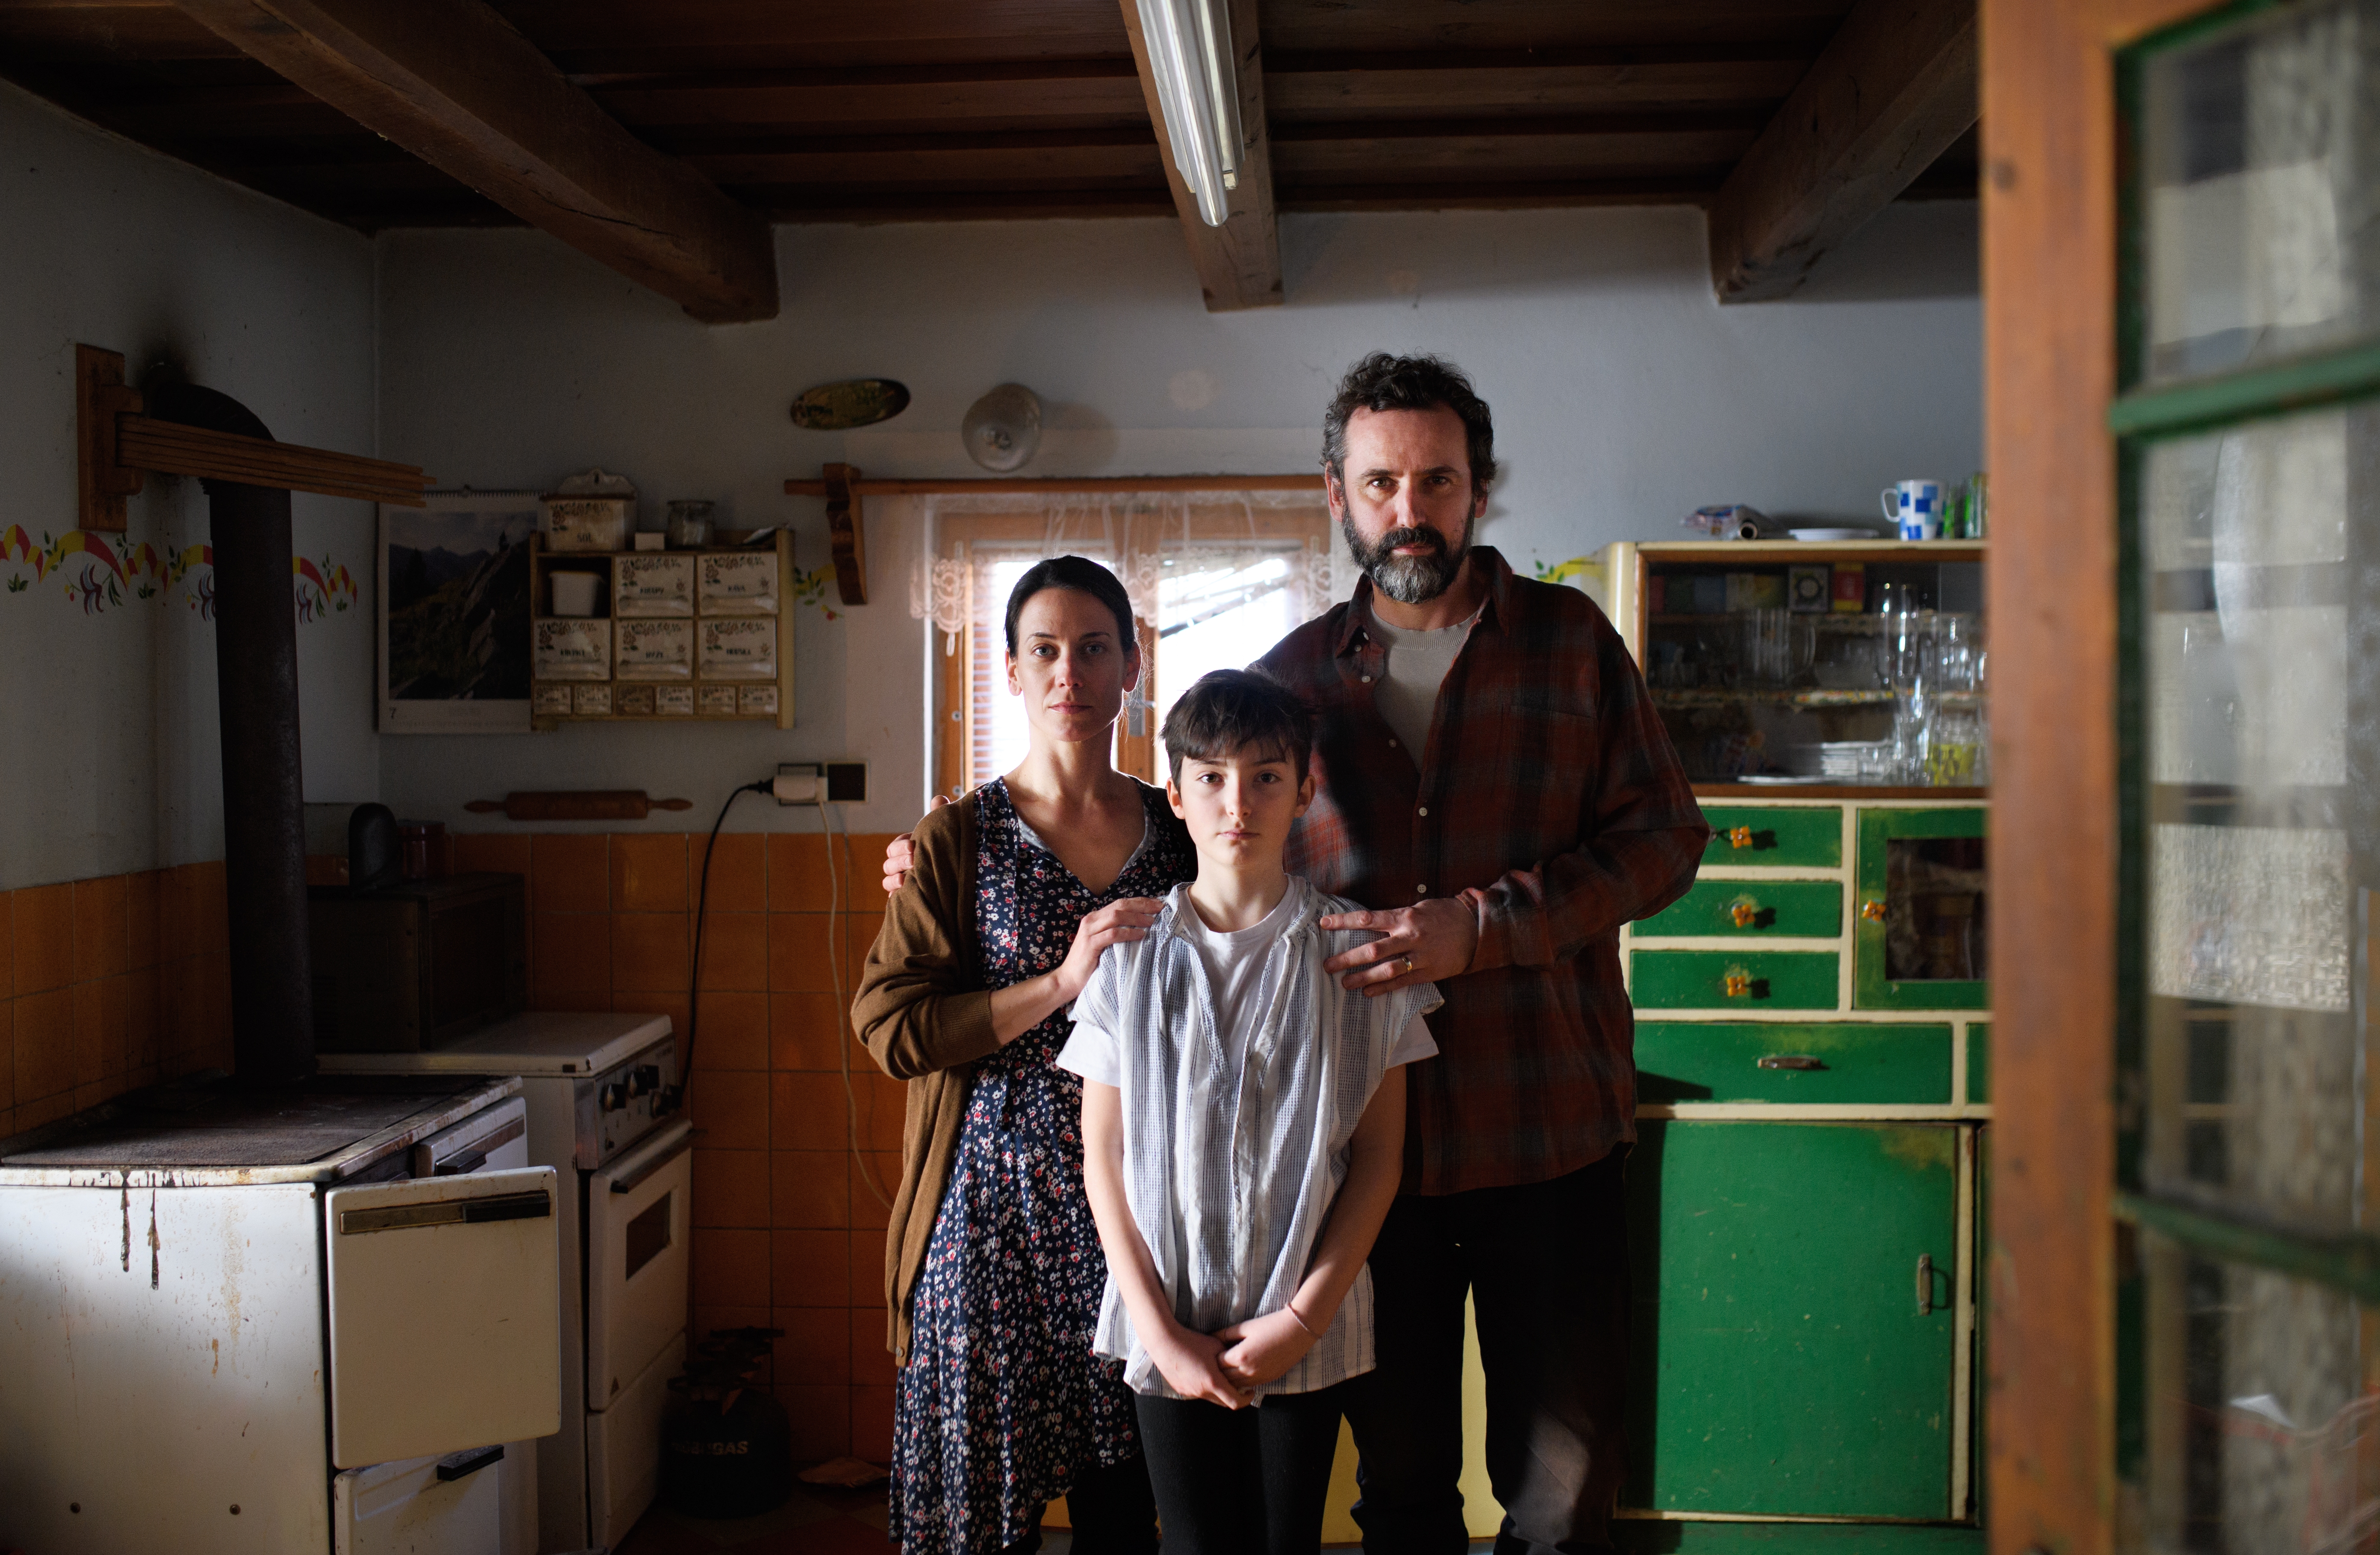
1143 536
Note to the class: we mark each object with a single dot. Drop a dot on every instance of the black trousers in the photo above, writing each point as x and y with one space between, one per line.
1111 1511
1246 1481
1546 1268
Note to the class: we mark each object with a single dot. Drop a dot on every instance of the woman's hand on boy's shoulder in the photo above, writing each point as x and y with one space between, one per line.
1119 922
1263 1349
1190 1364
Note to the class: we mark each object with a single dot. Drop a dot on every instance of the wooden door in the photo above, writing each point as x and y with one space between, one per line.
1794 1325
2181 366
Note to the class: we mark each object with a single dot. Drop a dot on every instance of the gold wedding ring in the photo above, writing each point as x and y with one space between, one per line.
1408 965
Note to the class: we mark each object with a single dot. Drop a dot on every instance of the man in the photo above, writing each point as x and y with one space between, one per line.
1496 785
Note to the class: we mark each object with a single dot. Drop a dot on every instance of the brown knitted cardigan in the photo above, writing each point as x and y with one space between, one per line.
925 1017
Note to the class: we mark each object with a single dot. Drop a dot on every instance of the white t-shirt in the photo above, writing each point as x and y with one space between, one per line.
1417 666
1232 959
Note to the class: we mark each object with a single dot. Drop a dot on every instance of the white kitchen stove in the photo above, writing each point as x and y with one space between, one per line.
601 1092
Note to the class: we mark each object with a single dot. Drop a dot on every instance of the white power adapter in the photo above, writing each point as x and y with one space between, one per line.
799 782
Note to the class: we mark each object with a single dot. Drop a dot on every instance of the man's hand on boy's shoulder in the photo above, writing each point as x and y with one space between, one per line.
1430 941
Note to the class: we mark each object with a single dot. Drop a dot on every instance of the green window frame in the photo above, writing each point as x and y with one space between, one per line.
2143 415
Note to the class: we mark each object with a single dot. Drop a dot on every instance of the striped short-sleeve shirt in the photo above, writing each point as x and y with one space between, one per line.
1237 1142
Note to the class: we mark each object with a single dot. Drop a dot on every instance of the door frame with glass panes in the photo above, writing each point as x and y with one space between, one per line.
2113 1273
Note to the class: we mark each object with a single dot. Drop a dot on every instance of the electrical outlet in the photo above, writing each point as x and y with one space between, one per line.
807 782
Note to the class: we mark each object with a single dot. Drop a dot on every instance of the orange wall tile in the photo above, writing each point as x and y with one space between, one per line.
809 1188
569 874
649 872
44 1044
44 936
731 1267
739 872
648 951
730 1188
809 1269
735 950
735 1030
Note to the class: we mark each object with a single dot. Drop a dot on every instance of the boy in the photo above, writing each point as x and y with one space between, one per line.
1242 1130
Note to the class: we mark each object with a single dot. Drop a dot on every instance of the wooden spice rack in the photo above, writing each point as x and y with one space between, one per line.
640 681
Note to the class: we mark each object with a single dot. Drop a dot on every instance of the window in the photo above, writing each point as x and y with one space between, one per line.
1215 578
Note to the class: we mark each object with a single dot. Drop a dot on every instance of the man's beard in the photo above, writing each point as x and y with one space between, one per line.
1408 580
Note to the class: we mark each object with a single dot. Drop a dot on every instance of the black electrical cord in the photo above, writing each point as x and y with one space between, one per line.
701 909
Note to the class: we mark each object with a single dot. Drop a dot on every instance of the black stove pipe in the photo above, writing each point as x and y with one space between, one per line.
265 818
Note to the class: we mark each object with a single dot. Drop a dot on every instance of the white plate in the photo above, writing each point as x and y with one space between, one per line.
1832 534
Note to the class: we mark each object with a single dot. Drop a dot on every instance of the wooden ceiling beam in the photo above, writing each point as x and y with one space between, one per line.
1887 96
1239 262
452 82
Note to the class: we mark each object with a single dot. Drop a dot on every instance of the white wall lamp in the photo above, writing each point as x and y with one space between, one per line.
1198 88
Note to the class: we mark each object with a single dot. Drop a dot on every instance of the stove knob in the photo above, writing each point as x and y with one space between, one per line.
636 1083
610 1099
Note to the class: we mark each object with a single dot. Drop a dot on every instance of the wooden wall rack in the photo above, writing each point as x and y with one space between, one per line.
116 448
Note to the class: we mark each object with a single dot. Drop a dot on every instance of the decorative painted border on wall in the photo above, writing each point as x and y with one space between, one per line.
109 568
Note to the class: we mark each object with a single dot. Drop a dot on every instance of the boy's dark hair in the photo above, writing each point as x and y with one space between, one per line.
1084 576
1228 710
1384 382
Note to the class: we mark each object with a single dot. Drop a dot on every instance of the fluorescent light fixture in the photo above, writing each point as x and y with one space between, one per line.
1198 88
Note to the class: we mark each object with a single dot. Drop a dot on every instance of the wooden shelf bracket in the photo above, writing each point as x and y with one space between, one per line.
845 530
116 447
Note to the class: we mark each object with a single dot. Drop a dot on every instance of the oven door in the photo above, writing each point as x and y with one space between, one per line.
442 1311
638 1223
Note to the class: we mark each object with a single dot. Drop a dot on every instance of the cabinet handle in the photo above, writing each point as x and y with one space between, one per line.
1745 913
1924 1283
1790 1061
1741 836
1873 911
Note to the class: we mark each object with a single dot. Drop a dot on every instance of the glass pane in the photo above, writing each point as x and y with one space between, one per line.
2260 1410
1821 672
2259 145
1934 896
2262 683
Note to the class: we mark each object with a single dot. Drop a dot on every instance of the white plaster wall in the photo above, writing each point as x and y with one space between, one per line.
111 759
1624 398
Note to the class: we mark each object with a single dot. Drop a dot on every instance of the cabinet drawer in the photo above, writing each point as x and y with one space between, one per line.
1760 834
1752 909
1726 979
1721 1061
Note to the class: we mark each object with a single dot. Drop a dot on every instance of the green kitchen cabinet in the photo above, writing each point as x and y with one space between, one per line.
1734 979
1752 909
1920 938
1793 1063
1795 1328
1772 836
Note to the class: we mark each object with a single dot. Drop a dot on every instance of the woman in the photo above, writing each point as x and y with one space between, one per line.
992 1264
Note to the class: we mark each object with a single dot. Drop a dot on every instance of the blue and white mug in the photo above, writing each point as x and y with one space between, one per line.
1916 507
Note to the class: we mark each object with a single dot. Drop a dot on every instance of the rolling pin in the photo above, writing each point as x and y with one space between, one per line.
575 805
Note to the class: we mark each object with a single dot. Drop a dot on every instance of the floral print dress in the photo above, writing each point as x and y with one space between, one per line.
1002 1400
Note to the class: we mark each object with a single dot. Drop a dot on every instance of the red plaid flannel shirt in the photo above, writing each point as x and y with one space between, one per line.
1549 799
